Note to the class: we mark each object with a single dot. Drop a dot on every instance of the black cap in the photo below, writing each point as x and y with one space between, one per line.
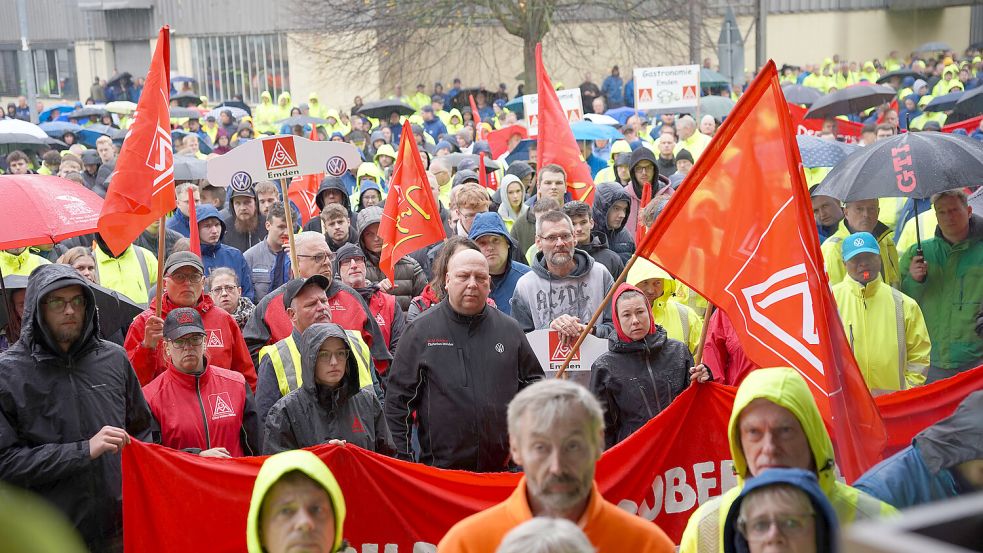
181 322
183 259
292 288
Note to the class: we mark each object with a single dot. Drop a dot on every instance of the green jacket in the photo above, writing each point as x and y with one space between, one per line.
950 296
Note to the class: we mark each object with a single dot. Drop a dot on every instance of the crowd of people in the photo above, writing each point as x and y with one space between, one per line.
245 353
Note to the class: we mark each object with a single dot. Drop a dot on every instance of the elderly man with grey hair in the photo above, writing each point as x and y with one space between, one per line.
556 433
690 139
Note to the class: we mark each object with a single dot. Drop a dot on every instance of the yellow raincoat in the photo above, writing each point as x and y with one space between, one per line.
21 264
680 321
266 114
927 223
785 387
832 250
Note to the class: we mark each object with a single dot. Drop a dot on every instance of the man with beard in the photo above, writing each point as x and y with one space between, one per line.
556 433
565 285
349 265
245 225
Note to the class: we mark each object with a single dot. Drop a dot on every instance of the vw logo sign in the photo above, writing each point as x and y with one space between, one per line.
241 181
336 166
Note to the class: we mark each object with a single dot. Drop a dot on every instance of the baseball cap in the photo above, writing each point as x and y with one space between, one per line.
181 322
859 242
182 259
292 288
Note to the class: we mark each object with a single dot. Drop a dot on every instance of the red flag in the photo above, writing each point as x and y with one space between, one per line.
498 141
142 186
740 231
193 225
303 191
483 177
847 131
476 117
411 220
555 143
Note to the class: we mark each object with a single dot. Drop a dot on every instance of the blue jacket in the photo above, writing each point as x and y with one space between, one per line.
922 472
502 286
435 128
220 255
613 89
179 222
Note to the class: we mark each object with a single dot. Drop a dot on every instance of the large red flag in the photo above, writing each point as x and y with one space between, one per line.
303 191
411 220
142 186
555 143
740 231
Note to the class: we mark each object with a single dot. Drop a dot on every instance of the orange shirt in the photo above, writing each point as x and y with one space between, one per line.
607 527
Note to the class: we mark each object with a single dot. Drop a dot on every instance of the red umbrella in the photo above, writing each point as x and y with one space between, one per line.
44 209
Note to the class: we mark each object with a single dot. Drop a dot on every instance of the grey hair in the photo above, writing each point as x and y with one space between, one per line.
686 120
308 236
181 187
552 217
222 271
546 535
959 194
439 163
551 400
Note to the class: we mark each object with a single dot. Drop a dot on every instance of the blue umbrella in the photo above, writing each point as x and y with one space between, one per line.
585 130
89 135
945 102
182 79
515 106
45 115
621 114
57 129
817 152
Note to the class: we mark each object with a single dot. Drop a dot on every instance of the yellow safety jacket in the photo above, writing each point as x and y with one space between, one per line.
285 358
21 264
928 221
680 321
832 250
132 274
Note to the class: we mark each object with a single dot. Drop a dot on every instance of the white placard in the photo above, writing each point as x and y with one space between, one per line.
551 354
675 88
570 101
280 157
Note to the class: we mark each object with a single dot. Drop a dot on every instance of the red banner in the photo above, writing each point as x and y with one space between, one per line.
969 125
678 460
846 131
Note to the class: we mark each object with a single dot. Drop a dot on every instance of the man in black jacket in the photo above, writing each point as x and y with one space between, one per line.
69 403
458 366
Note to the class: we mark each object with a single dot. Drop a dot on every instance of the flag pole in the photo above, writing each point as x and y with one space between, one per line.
290 224
161 246
698 355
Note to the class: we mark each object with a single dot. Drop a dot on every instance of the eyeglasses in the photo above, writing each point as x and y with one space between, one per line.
189 342
184 278
319 258
351 260
757 529
556 238
58 304
331 355
220 290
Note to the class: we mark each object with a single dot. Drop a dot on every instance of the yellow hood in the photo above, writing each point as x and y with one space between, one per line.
619 147
643 270
371 170
785 387
265 97
275 467
384 150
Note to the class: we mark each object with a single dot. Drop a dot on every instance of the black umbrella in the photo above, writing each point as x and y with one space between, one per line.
382 108
189 168
111 132
803 95
460 100
970 104
900 74
186 99
236 104
82 113
946 102
115 79
930 47
817 152
456 159
302 120
852 99
180 113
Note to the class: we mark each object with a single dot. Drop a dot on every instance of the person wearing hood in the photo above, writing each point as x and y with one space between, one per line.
349 266
643 370
775 423
862 216
331 191
909 110
886 328
644 172
592 241
543 297
315 109
680 321
283 106
132 273
488 232
70 403
211 229
370 172
459 391
612 211
197 407
330 406
513 194
369 194
296 502
781 510
409 277
432 124
610 174
95 173
245 225
454 123
267 114
334 122
943 461
268 260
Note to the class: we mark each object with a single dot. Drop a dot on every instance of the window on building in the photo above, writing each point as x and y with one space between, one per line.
9 73
228 65
54 72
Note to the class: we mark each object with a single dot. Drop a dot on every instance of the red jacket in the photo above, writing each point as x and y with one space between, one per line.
722 351
213 409
226 348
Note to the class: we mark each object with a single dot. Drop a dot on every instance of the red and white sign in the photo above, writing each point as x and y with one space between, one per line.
280 157
279 153
570 101
689 93
675 88
551 352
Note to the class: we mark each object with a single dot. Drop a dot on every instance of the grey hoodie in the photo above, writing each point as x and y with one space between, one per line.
540 297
